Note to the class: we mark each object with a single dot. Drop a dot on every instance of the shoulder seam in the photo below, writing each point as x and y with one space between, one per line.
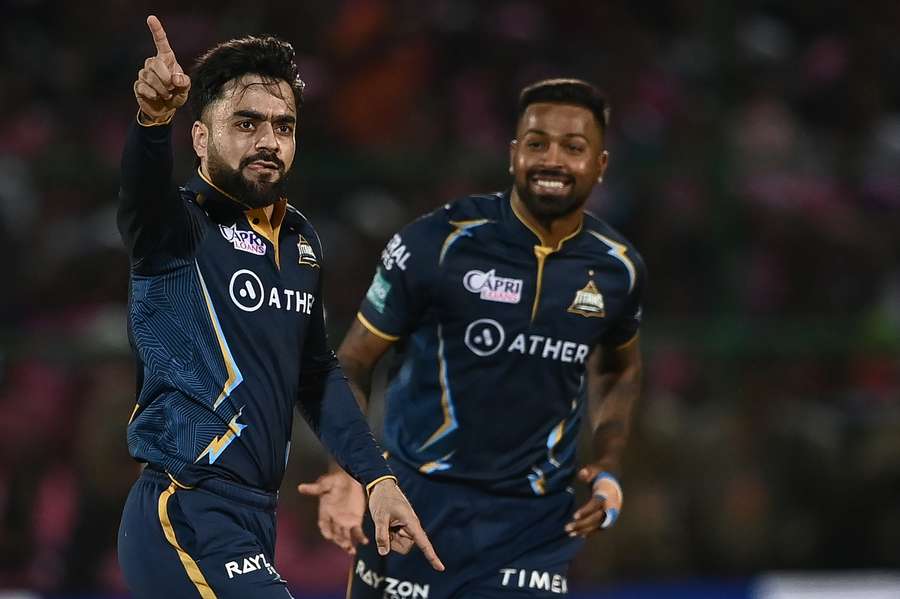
619 251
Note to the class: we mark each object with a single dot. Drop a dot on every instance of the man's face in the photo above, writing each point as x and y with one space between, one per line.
250 144
556 158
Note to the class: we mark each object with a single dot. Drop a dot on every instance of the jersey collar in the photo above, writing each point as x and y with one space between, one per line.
208 192
521 231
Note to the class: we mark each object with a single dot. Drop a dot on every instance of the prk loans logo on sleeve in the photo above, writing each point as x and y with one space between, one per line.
492 288
378 291
246 241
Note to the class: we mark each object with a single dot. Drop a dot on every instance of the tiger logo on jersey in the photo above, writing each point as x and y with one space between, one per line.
588 302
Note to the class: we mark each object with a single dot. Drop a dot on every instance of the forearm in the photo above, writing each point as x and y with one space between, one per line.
612 404
146 191
334 415
359 378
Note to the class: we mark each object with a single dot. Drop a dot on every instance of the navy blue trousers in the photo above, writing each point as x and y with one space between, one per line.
494 547
214 541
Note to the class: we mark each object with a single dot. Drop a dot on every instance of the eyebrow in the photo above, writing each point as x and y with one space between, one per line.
258 116
540 132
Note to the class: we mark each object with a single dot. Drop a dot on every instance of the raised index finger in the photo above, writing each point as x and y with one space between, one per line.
159 36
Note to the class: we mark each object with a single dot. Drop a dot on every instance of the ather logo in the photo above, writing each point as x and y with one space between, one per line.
485 337
248 293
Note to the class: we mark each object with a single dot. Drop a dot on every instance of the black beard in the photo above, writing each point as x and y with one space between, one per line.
548 208
246 192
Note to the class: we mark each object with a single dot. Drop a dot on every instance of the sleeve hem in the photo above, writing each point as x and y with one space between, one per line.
375 330
378 480
168 121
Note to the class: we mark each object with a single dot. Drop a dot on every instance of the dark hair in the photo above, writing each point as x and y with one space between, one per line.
567 91
269 57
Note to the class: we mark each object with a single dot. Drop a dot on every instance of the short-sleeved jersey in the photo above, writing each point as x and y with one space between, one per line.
496 330
226 320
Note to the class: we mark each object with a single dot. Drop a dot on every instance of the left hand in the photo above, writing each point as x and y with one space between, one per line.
602 509
396 525
342 503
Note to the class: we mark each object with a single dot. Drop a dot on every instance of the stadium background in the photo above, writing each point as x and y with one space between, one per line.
755 161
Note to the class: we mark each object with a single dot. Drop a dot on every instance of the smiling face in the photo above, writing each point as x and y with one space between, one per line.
245 139
556 158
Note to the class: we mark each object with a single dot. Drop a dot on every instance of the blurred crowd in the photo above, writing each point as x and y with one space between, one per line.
755 162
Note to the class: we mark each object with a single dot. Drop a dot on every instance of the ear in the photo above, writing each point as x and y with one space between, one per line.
602 162
200 139
513 146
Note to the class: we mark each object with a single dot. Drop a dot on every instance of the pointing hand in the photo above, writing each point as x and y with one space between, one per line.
161 86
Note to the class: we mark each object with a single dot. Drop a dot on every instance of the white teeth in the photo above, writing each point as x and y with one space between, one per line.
553 184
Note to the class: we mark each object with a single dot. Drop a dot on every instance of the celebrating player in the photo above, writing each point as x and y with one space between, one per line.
510 309
227 325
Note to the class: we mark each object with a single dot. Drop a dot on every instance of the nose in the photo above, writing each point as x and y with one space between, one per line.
266 138
552 157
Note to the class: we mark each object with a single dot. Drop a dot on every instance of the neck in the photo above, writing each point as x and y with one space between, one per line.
551 231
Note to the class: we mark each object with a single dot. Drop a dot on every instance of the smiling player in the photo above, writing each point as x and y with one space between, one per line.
514 312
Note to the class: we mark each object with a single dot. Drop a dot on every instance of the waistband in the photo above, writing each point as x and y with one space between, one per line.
237 492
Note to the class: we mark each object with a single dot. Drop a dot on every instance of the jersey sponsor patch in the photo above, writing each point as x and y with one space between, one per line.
245 241
588 302
534 580
248 565
248 293
307 257
485 337
378 291
392 588
493 288
395 254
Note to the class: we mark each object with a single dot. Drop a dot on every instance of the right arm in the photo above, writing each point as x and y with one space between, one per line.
358 355
148 201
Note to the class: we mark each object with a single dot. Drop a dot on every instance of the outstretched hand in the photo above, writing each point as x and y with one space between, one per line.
162 86
397 527
342 505
602 509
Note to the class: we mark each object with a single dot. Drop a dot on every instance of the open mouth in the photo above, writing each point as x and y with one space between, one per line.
550 183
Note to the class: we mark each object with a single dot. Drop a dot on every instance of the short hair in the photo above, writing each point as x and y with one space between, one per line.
267 56
567 91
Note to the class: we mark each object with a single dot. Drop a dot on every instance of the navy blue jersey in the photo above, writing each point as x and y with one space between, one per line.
226 321
496 331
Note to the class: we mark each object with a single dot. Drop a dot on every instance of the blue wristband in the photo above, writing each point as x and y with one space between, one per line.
612 514
608 476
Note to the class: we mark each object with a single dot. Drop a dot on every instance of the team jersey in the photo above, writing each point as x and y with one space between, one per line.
495 332
227 325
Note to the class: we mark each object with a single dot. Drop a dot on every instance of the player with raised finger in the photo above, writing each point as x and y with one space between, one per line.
227 325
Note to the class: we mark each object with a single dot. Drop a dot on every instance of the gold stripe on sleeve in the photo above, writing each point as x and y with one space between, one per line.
375 330
372 484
